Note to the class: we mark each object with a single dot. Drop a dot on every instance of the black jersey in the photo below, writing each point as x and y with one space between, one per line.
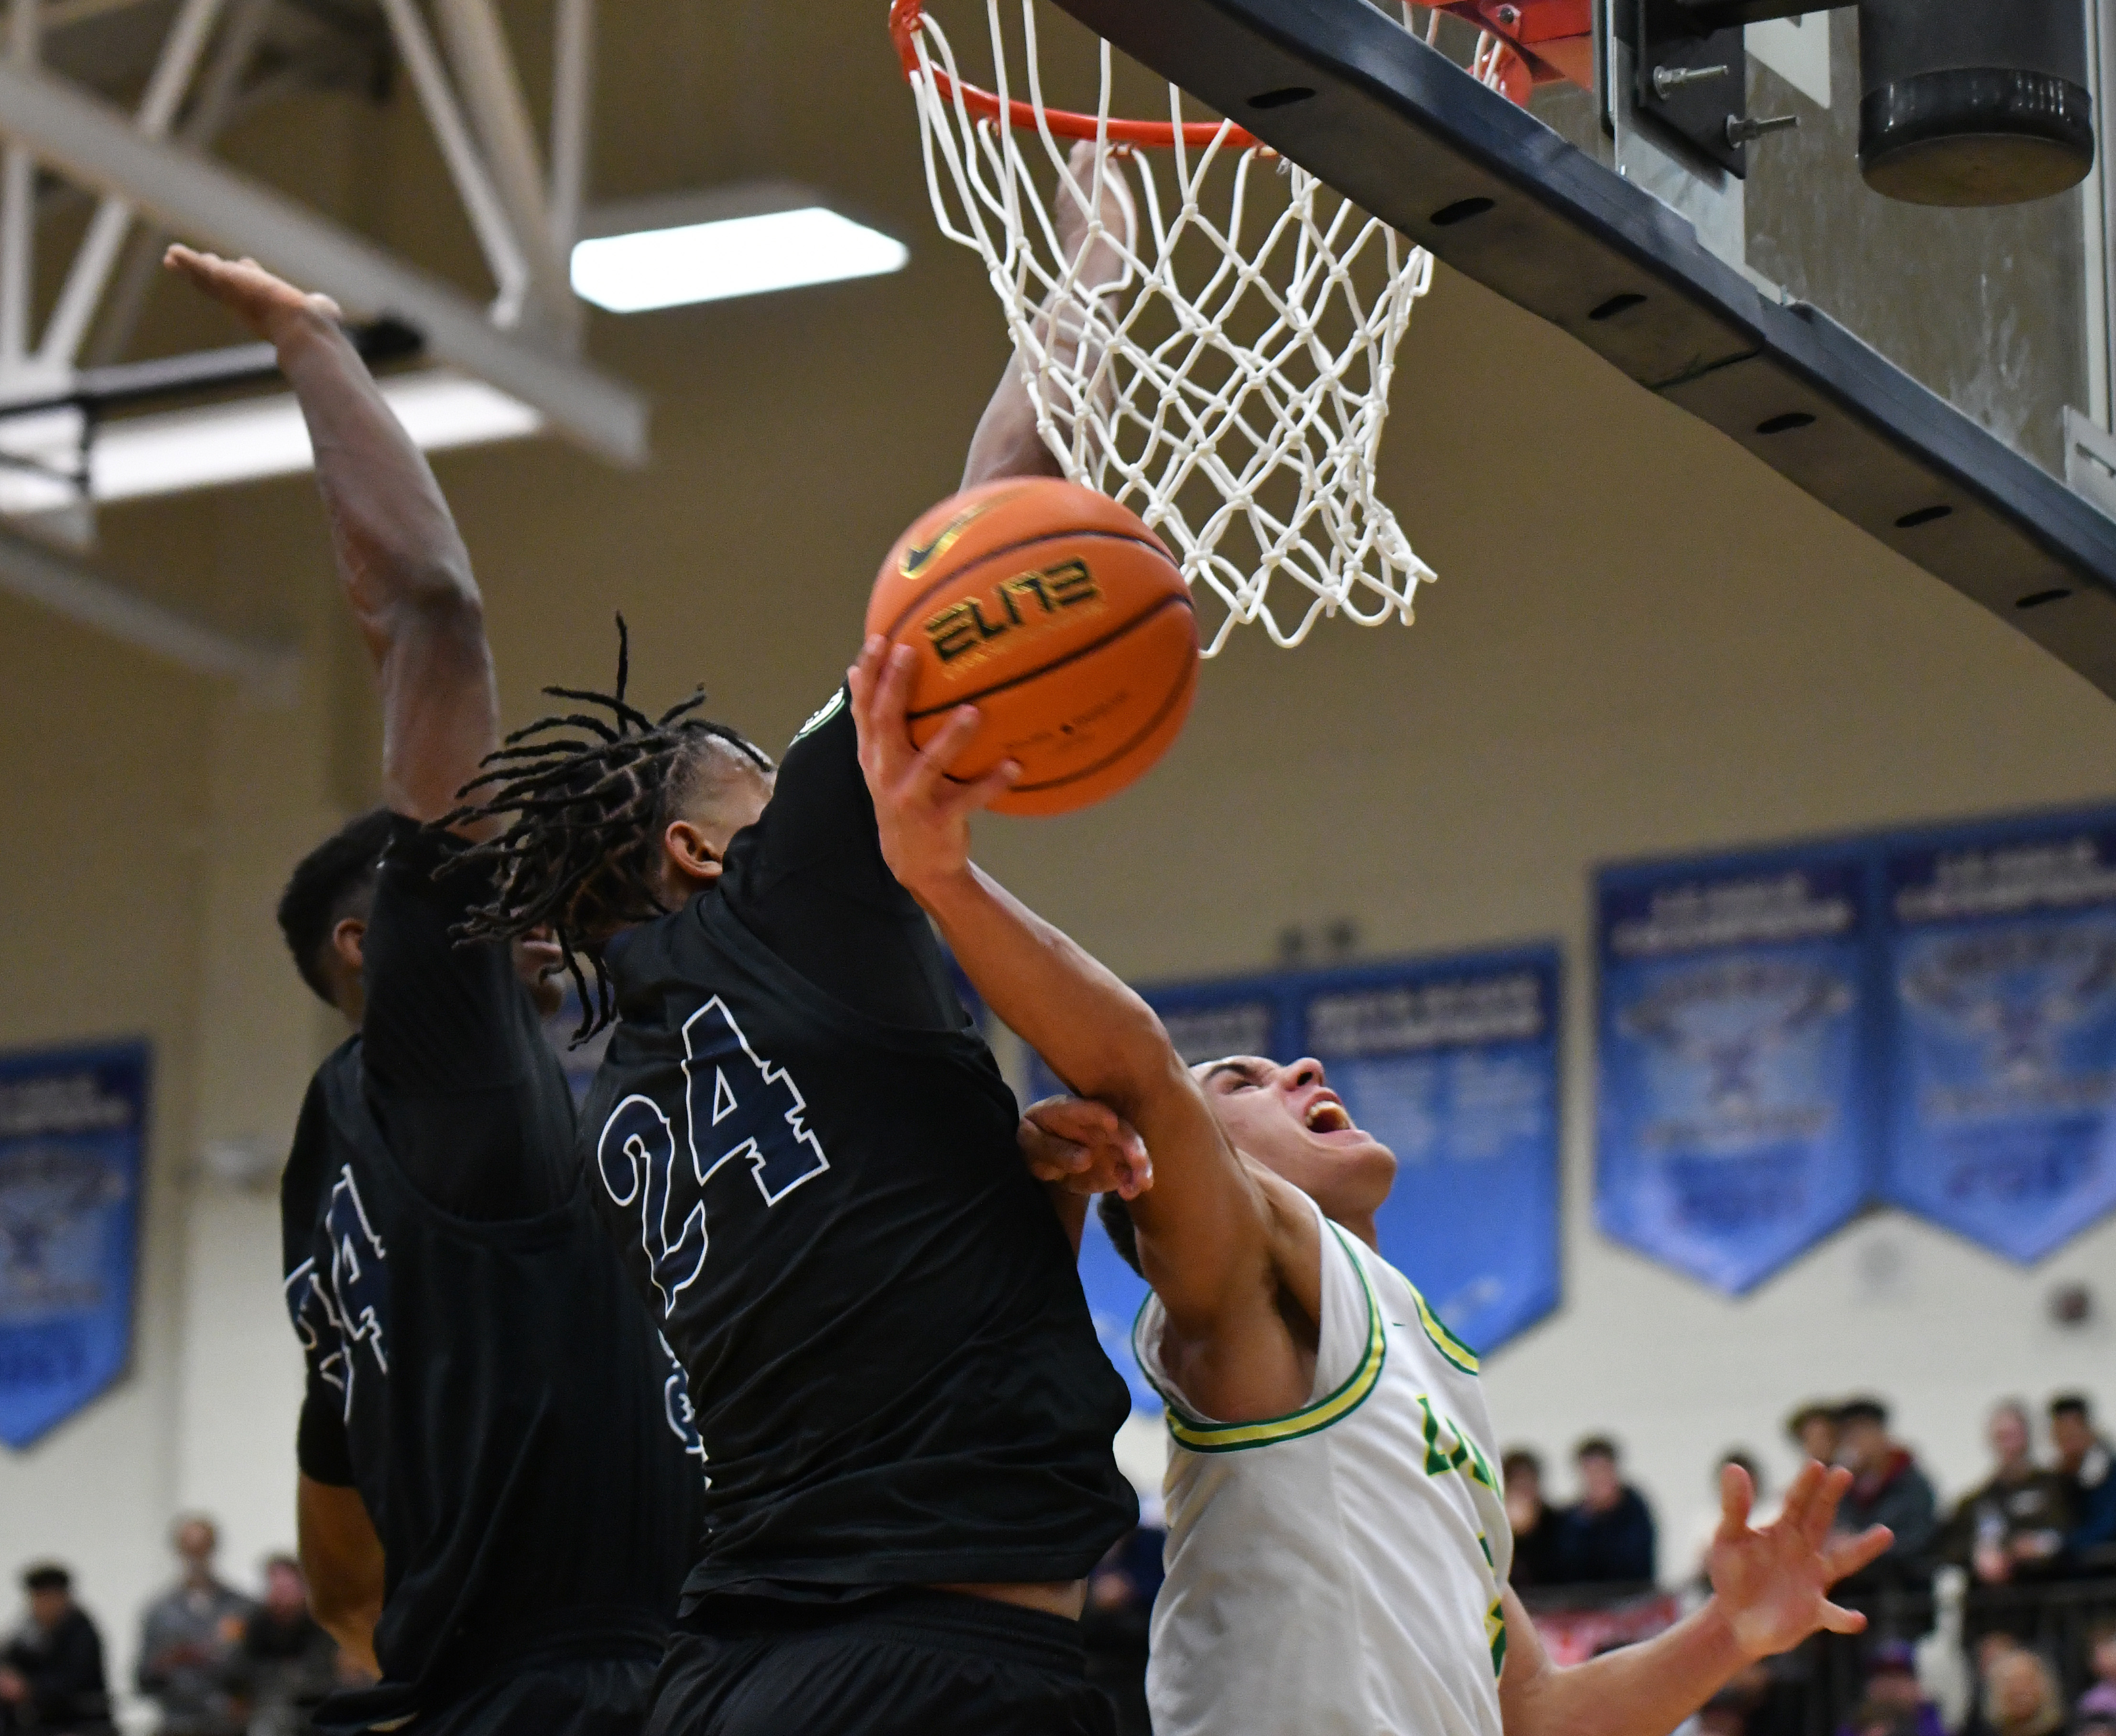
478 1369
895 1376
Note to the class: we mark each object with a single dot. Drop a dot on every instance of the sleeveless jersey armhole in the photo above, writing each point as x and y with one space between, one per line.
1349 1358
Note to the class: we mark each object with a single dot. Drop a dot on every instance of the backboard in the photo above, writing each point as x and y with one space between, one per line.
1933 376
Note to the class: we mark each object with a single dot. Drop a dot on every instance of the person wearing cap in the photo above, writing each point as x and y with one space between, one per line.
51 1670
1887 1488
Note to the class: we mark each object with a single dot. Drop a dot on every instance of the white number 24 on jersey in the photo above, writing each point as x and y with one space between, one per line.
735 1105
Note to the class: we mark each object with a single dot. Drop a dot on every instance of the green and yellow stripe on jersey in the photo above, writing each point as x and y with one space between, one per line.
1201 1436
1457 1353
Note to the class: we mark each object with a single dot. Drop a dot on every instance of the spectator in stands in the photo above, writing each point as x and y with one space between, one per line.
285 1665
1534 1519
1763 1510
2021 1697
1606 1536
2014 1526
2085 1462
1894 1702
2100 1699
51 1670
187 1636
1888 1489
1813 1429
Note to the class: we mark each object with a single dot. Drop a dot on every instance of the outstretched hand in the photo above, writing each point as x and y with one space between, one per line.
1097 250
1772 1585
1085 1147
269 307
922 813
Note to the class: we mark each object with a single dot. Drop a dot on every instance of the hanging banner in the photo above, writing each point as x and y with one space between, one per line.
1453 1065
1739 1052
72 1128
1451 1062
2003 1070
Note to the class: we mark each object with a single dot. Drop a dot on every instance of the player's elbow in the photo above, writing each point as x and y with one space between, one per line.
441 596
1135 1063
435 607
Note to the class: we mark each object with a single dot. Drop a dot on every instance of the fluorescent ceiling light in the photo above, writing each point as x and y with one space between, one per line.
732 256
168 453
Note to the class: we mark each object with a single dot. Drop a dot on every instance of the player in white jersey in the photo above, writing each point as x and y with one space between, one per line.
1338 1544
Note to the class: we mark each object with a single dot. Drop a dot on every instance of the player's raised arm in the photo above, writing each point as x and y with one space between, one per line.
405 572
1218 1277
1770 1590
1008 442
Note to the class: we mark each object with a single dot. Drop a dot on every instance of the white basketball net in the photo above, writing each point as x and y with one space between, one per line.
1236 405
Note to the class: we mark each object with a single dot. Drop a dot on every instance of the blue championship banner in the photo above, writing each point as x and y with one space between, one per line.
1452 1064
1740 1050
2003 1071
72 1129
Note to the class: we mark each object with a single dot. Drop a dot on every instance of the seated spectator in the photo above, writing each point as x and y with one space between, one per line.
1888 1489
2020 1698
2085 1460
186 1638
1606 1536
51 1670
1762 1511
1813 1429
2100 1699
1893 1701
285 1665
1534 1520
2014 1526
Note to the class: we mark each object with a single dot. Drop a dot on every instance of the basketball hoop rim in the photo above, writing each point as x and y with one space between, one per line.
905 16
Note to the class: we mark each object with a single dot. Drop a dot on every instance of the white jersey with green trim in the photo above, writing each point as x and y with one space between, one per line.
1337 1571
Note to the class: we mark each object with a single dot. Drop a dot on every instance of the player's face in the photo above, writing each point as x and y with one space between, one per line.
1289 1120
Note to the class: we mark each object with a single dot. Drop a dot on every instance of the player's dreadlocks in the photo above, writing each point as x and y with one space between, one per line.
584 800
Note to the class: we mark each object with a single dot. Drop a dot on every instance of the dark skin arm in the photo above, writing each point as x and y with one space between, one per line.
1007 442
406 573
1078 1149
341 1560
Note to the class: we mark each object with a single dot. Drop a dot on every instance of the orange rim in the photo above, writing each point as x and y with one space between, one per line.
905 16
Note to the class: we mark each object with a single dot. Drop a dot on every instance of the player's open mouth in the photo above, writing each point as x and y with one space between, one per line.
1325 1115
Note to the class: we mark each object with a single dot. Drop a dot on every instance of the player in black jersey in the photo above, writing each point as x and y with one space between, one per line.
496 1504
809 1158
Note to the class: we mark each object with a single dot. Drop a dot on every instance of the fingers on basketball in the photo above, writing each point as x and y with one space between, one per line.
1062 618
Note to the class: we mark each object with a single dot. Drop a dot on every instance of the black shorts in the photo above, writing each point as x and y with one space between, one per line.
557 1697
911 1663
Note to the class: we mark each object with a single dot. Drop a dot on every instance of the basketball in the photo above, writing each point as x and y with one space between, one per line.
1058 615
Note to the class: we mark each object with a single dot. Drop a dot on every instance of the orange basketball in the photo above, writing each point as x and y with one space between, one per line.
1062 618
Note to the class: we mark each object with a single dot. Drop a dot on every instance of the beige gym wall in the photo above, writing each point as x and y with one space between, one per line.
1642 642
